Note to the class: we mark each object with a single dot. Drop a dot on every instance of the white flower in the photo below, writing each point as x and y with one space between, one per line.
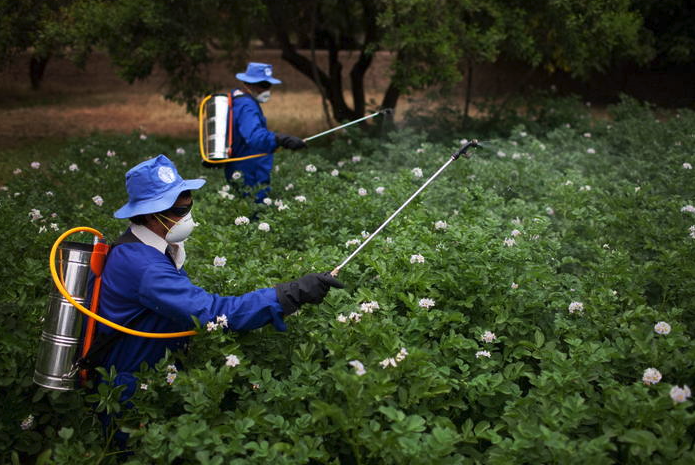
441 225
417 172
388 361
483 353
380 190
98 200
53 226
282 207
232 360
36 165
265 227
354 316
585 188
143 136
359 368
591 151
389 240
172 369
515 232
27 423
17 171
576 307
255 386
362 191
225 195
356 159
516 156
35 214
341 163
662 328
341 318
144 386
688 209
364 234
300 198
501 154
96 161
236 175
180 151
679 394
42 229
463 141
219 261
211 326
171 377
352 242
568 183
514 286
426 303
335 173
310 168
222 321
4 188
369 307
488 336
651 376
400 356
268 201
687 166
637 189
289 187
417 258
49 193
241 220
110 153
549 211
587 134
509 242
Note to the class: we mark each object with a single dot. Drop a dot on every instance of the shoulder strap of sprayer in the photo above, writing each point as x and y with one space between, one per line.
104 342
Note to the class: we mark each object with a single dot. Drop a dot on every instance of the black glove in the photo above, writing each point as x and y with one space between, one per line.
212 165
309 289
289 142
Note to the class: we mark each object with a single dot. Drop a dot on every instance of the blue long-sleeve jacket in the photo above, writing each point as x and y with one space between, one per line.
139 278
250 137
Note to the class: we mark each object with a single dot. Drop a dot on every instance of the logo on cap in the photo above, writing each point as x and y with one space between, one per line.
166 174
268 71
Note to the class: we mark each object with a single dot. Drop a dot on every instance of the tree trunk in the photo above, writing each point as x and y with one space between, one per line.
469 88
37 66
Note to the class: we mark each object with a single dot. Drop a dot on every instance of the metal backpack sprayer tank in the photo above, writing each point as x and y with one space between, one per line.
64 347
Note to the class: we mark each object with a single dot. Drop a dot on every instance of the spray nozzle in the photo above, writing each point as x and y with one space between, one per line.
464 149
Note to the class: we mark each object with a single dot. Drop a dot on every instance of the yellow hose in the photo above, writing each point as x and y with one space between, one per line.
201 125
100 319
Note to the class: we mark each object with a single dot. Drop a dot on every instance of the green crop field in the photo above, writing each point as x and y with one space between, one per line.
533 305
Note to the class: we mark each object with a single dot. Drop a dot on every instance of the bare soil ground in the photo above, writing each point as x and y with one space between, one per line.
75 102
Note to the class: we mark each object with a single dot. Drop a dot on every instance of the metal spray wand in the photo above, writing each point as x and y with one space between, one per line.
462 151
364 118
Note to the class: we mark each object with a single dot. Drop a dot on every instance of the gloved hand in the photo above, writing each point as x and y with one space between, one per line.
309 289
289 142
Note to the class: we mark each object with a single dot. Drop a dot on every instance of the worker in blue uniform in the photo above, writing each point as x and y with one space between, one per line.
144 285
250 134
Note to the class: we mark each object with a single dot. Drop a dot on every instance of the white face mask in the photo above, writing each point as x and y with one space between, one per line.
181 229
263 96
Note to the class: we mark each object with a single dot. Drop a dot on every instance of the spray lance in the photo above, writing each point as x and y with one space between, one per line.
463 151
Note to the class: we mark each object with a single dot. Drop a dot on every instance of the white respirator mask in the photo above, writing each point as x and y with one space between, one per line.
181 229
263 96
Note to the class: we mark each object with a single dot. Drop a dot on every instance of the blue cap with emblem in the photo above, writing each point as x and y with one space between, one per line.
258 72
153 186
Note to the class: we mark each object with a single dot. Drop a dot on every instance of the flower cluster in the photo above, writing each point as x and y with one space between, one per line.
651 376
359 368
417 172
236 175
362 191
369 307
35 214
98 200
73 167
380 190
417 258
310 168
352 242
172 372
509 241
576 307
393 361
219 261
241 220
27 423
300 198
232 360
680 394
35 165
441 225
488 336
220 322
483 353
662 328
335 173
692 231
426 303
688 209
265 227
365 307
514 285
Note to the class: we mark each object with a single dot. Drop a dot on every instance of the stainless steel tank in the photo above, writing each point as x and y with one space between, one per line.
61 339
216 127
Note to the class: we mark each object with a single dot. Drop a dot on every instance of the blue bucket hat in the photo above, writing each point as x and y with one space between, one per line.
258 72
153 186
